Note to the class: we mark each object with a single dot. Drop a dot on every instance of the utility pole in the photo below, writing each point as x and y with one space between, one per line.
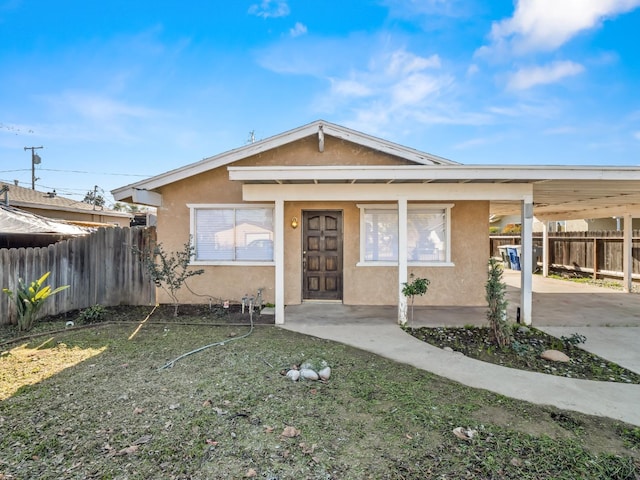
35 160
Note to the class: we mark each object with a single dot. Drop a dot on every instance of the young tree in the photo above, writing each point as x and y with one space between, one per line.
417 286
169 271
499 331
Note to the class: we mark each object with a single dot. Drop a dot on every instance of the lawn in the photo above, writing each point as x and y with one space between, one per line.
95 403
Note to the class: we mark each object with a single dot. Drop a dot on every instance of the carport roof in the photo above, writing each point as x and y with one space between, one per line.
559 192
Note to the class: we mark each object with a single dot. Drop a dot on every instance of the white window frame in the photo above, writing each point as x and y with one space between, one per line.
193 207
412 206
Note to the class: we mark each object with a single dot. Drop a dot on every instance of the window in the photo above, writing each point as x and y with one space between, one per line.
428 234
232 233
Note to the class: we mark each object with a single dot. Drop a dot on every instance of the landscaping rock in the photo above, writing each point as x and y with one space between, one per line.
555 356
524 329
308 374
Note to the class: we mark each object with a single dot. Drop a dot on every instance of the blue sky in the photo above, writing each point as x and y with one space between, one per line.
117 91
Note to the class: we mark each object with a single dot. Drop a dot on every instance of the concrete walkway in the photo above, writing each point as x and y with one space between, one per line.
374 329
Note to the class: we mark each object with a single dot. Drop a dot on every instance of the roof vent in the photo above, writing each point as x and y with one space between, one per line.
51 194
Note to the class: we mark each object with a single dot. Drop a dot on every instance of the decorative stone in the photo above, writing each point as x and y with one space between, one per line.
555 356
523 330
294 375
308 374
325 373
448 349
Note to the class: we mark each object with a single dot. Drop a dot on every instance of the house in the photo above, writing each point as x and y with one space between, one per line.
51 205
325 213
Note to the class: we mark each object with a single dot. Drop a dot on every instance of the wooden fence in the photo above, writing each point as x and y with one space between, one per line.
599 253
100 268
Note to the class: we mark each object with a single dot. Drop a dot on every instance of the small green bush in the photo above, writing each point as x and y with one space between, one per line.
94 314
30 298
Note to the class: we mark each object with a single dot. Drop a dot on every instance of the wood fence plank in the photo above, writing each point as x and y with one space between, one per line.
100 268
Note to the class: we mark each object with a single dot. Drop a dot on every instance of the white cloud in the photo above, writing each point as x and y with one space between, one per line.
544 25
415 88
563 130
98 107
350 88
270 9
526 78
403 62
298 29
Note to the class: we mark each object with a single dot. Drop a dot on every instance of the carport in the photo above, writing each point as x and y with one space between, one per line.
571 193
546 192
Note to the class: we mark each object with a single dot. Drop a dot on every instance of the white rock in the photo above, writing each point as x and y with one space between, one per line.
325 373
308 374
448 349
555 356
294 375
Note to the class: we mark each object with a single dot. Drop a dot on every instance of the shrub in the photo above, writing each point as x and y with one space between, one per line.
30 299
93 314
171 270
500 333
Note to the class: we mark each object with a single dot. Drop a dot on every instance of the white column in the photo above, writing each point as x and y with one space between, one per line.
278 252
627 254
545 249
526 254
402 259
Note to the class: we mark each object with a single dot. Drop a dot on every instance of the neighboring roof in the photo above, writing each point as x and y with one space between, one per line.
319 128
28 198
559 192
14 220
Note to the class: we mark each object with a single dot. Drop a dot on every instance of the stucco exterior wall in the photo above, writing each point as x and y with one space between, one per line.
461 284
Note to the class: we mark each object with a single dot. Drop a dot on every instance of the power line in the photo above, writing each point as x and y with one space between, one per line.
77 171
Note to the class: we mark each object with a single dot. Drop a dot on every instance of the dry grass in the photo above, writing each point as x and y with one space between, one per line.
112 413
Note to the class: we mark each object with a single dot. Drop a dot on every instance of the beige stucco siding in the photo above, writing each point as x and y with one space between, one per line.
336 152
461 284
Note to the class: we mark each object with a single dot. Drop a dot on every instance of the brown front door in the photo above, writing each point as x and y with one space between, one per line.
322 255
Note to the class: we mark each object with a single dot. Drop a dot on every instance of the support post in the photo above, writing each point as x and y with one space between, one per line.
526 270
627 254
545 249
278 252
595 258
402 259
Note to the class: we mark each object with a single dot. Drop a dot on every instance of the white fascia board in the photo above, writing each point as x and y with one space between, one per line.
392 192
432 172
146 197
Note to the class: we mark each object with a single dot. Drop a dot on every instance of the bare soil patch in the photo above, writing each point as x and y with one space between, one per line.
524 353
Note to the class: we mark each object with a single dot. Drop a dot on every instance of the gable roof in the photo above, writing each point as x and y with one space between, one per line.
559 192
27 198
319 128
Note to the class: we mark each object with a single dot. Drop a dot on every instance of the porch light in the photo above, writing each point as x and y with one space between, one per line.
294 222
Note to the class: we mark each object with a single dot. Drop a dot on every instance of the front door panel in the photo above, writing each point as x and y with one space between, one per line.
322 255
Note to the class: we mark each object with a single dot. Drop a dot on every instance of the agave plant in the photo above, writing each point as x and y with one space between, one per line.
30 298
